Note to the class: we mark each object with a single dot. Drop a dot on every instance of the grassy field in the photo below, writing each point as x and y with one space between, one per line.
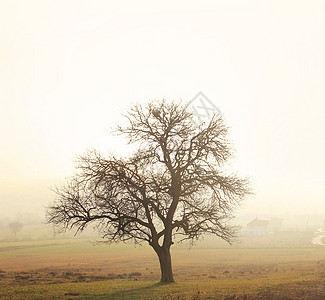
78 269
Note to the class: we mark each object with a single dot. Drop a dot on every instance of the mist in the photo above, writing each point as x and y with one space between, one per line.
65 84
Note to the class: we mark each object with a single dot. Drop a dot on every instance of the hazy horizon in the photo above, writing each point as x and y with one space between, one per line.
69 70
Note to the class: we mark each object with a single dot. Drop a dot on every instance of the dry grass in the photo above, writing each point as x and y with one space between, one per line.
75 269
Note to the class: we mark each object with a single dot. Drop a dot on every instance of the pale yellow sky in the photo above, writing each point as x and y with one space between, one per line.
69 68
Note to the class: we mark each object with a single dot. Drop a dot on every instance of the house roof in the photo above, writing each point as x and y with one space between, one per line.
258 222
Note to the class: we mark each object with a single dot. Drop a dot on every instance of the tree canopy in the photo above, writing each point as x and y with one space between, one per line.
130 199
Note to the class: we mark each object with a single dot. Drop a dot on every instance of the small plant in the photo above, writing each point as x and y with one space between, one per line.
81 278
197 295
133 274
67 274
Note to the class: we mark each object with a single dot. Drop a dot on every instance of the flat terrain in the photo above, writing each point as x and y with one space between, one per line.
78 269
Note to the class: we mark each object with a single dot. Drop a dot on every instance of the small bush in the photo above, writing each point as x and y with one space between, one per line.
81 278
133 274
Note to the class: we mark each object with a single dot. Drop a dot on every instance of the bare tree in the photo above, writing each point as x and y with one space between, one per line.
188 196
15 227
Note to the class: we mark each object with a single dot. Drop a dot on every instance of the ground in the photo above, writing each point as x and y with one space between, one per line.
79 269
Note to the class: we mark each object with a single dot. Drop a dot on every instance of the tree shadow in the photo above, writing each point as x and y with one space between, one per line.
135 294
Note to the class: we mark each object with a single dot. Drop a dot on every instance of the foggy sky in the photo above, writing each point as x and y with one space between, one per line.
69 69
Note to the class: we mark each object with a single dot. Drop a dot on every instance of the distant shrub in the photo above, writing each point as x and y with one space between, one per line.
67 274
71 294
81 278
121 276
21 277
133 274
98 277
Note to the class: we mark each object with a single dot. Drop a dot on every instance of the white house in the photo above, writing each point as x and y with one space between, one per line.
257 227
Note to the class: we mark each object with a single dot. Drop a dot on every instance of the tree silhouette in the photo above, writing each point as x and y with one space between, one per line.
128 199
15 227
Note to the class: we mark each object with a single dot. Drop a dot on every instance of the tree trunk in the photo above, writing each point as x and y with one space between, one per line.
165 264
